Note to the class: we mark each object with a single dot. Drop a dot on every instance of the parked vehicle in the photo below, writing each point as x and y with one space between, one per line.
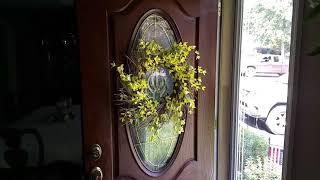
265 63
264 106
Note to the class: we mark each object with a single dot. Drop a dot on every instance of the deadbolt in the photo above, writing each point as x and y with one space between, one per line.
96 152
96 174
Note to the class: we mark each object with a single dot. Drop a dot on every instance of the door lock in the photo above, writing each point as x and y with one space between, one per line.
96 174
96 152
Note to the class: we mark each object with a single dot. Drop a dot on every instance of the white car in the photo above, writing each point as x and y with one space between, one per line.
264 106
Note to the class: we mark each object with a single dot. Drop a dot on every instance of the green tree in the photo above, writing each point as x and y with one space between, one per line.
313 3
269 22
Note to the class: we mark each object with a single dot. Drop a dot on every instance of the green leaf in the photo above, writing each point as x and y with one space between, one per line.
315 12
137 106
315 51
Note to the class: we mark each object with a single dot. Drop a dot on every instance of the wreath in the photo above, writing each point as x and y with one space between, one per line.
160 87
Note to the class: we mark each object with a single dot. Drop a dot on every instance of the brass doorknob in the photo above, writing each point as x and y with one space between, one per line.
96 152
96 174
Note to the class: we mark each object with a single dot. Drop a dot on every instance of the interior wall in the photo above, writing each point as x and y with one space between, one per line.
3 69
306 147
35 3
40 132
25 64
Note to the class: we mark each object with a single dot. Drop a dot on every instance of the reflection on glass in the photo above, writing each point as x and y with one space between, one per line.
262 90
154 155
156 28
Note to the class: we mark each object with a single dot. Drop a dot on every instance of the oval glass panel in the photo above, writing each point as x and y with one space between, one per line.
155 156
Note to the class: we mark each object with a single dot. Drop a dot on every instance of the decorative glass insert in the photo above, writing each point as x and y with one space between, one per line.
154 155
160 84
156 28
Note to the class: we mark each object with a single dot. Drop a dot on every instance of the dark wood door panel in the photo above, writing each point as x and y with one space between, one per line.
106 29
122 33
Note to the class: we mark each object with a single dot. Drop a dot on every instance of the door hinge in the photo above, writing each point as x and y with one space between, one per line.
219 8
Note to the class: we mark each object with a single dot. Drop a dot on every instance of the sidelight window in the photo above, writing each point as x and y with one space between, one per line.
261 88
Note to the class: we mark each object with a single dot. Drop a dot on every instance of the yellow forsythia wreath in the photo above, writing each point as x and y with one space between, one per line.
161 87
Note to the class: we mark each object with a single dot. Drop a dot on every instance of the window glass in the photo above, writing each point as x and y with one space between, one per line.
154 155
262 89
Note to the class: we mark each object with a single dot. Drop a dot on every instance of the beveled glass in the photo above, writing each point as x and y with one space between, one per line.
154 155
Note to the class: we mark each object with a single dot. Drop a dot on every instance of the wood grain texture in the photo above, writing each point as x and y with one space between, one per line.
125 178
189 8
94 56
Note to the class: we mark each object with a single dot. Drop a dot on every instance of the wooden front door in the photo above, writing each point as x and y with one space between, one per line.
107 31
